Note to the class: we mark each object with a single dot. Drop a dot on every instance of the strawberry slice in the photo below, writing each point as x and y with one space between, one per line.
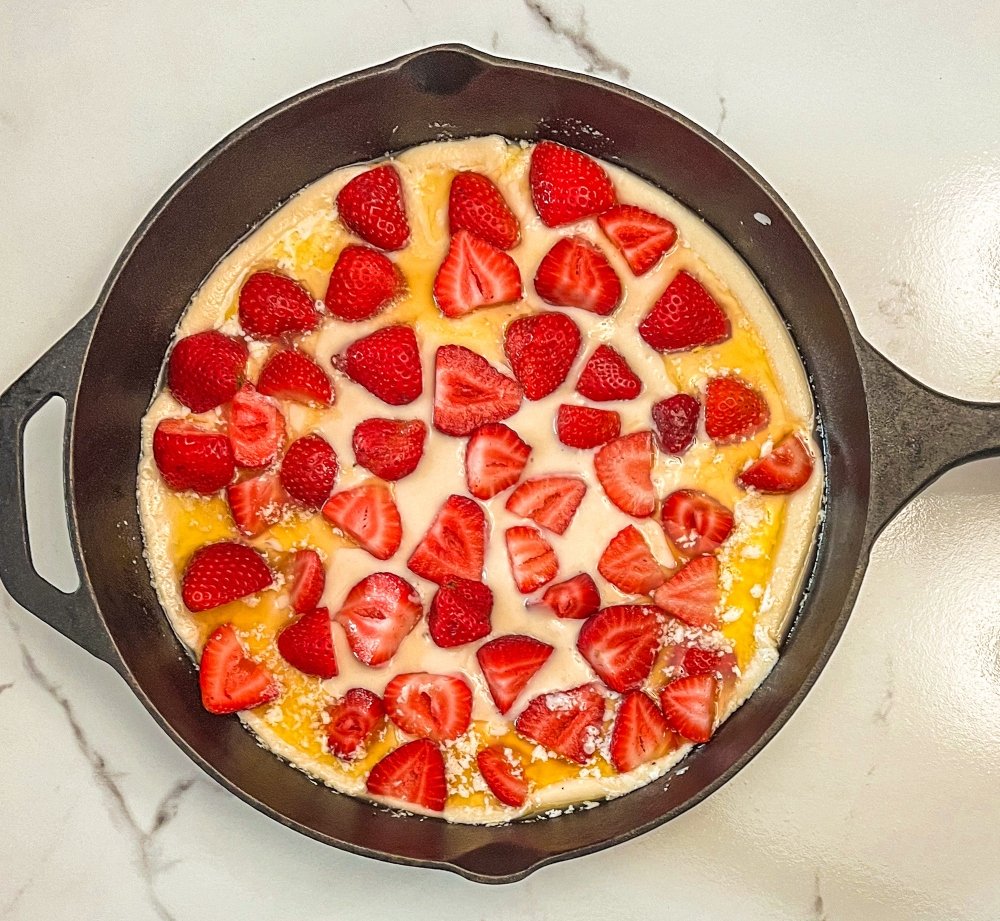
640 733
541 349
575 273
624 468
495 458
257 503
229 679
455 543
692 593
574 599
387 364
272 305
566 722
308 580
368 515
695 522
256 428
533 562
290 375
389 448
476 205
586 427
413 773
353 719
371 205
469 391
362 284
607 376
689 706
190 457
508 664
308 470
733 410
566 185
377 615
716 662
675 420
307 644
620 643
786 469
642 237
475 274
222 572
460 612
205 370
685 317
550 502
503 774
628 564
437 707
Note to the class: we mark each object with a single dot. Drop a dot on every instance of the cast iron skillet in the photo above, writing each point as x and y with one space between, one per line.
884 435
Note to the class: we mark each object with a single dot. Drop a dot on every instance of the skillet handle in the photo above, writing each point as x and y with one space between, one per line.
73 614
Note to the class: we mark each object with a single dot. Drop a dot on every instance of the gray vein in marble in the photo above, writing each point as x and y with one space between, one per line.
41 859
495 40
819 910
6 687
722 115
885 707
409 8
578 36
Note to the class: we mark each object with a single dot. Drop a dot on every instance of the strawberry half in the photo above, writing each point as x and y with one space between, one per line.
716 662
389 448
685 317
229 679
308 579
205 370
733 410
476 205
607 376
508 664
377 615
566 185
272 305
495 458
624 468
689 706
575 273
256 428
675 421
640 733
550 502
386 364
368 515
586 427
469 391
413 773
308 470
541 349
566 722
692 593
437 707
503 775
190 457
257 503
455 543
574 599
307 644
695 522
620 643
786 469
533 562
353 719
223 572
475 274
371 205
290 375
362 284
460 612
642 237
629 565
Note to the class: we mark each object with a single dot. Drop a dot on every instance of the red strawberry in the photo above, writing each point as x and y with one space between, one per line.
624 468
504 776
575 598
377 615
628 564
460 612
362 284
532 560
566 722
272 305
676 421
257 503
685 317
189 457
353 720
787 468
230 680
387 364
566 185
309 469
307 644
455 543
222 572
508 664
607 376
640 733
367 514
495 457
541 349
692 593
437 707
475 274
689 706
308 580
733 410
389 448
575 273
640 236
550 502
476 205
413 773
695 522
291 375
371 205
717 662
205 370
469 391
620 644
586 427
256 428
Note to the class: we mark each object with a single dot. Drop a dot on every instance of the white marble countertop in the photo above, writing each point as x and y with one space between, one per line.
879 124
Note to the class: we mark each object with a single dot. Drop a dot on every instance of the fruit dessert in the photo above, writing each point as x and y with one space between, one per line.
482 482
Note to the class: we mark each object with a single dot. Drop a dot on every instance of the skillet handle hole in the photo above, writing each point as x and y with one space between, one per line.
443 72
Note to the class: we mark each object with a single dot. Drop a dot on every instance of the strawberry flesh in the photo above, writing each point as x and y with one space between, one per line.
190 457
307 644
257 503
620 643
455 543
575 273
413 773
475 274
642 237
640 733
469 391
692 593
628 564
508 664
229 679
586 427
689 706
437 707
308 579
256 428
290 375
495 457
566 722
503 776
550 502
533 562
624 468
377 615
368 515
786 469
695 522
353 719
574 599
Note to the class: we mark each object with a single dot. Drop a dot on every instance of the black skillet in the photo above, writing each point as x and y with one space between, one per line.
884 435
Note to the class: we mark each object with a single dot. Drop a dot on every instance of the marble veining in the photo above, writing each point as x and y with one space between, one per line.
578 35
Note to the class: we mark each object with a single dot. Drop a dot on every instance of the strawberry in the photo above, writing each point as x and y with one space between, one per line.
437 707
308 580
455 543
700 661
307 644
230 680
733 410
387 364
476 205
566 185
308 470
620 644
695 522
460 612
272 305
607 376
566 722
575 273
368 515
685 317
503 775
640 733
371 205
495 457
692 593
413 773
786 469
257 503
628 564
540 349
575 599
469 391
222 572
508 664
362 284
352 721
675 420
689 706
532 560
290 375
205 370
377 615
550 502
190 457
639 235
586 427
624 467
475 274
256 428
389 448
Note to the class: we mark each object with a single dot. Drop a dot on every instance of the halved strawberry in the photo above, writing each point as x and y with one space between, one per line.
532 560
362 284
575 598
541 348
291 375
675 421
272 305
460 612
495 457
692 593
566 722
695 522
508 664
222 572
205 370
469 391
620 643
257 503
503 775
256 428
308 579
566 185
624 467
437 707
308 470
476 205
575 273
640 236
733 410
475 274
307 644
628 564
229 679
689 706
549 501
786 469
352 721
607 376
685 317
698 660
455 543
190 457
413 773
387 364
377 615
586 427
371 205
389 448
640 733
367 514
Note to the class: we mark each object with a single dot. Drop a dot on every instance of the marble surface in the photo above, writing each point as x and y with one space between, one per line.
879 123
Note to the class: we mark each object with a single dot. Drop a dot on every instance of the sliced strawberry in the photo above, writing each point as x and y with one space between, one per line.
460 612
550 501
640 236
190 457
272 305
574 599
566 185
371 205
308 470
437 707
689 706
495 457
377 615
222 572
716 662
640 733
387 364
607 376
455 543
256 428
307 644
620 644
353 719
469 391
413 773
786 469
367 514
476 205
675 420
503 775
508 664
205 370
733 410
475 274
685 317
389 448
362 284
308 580
692 593
566 722
624 467
628 564
533 562
575 273
695 522
257 503
291 375
541 348
586 427
230 680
